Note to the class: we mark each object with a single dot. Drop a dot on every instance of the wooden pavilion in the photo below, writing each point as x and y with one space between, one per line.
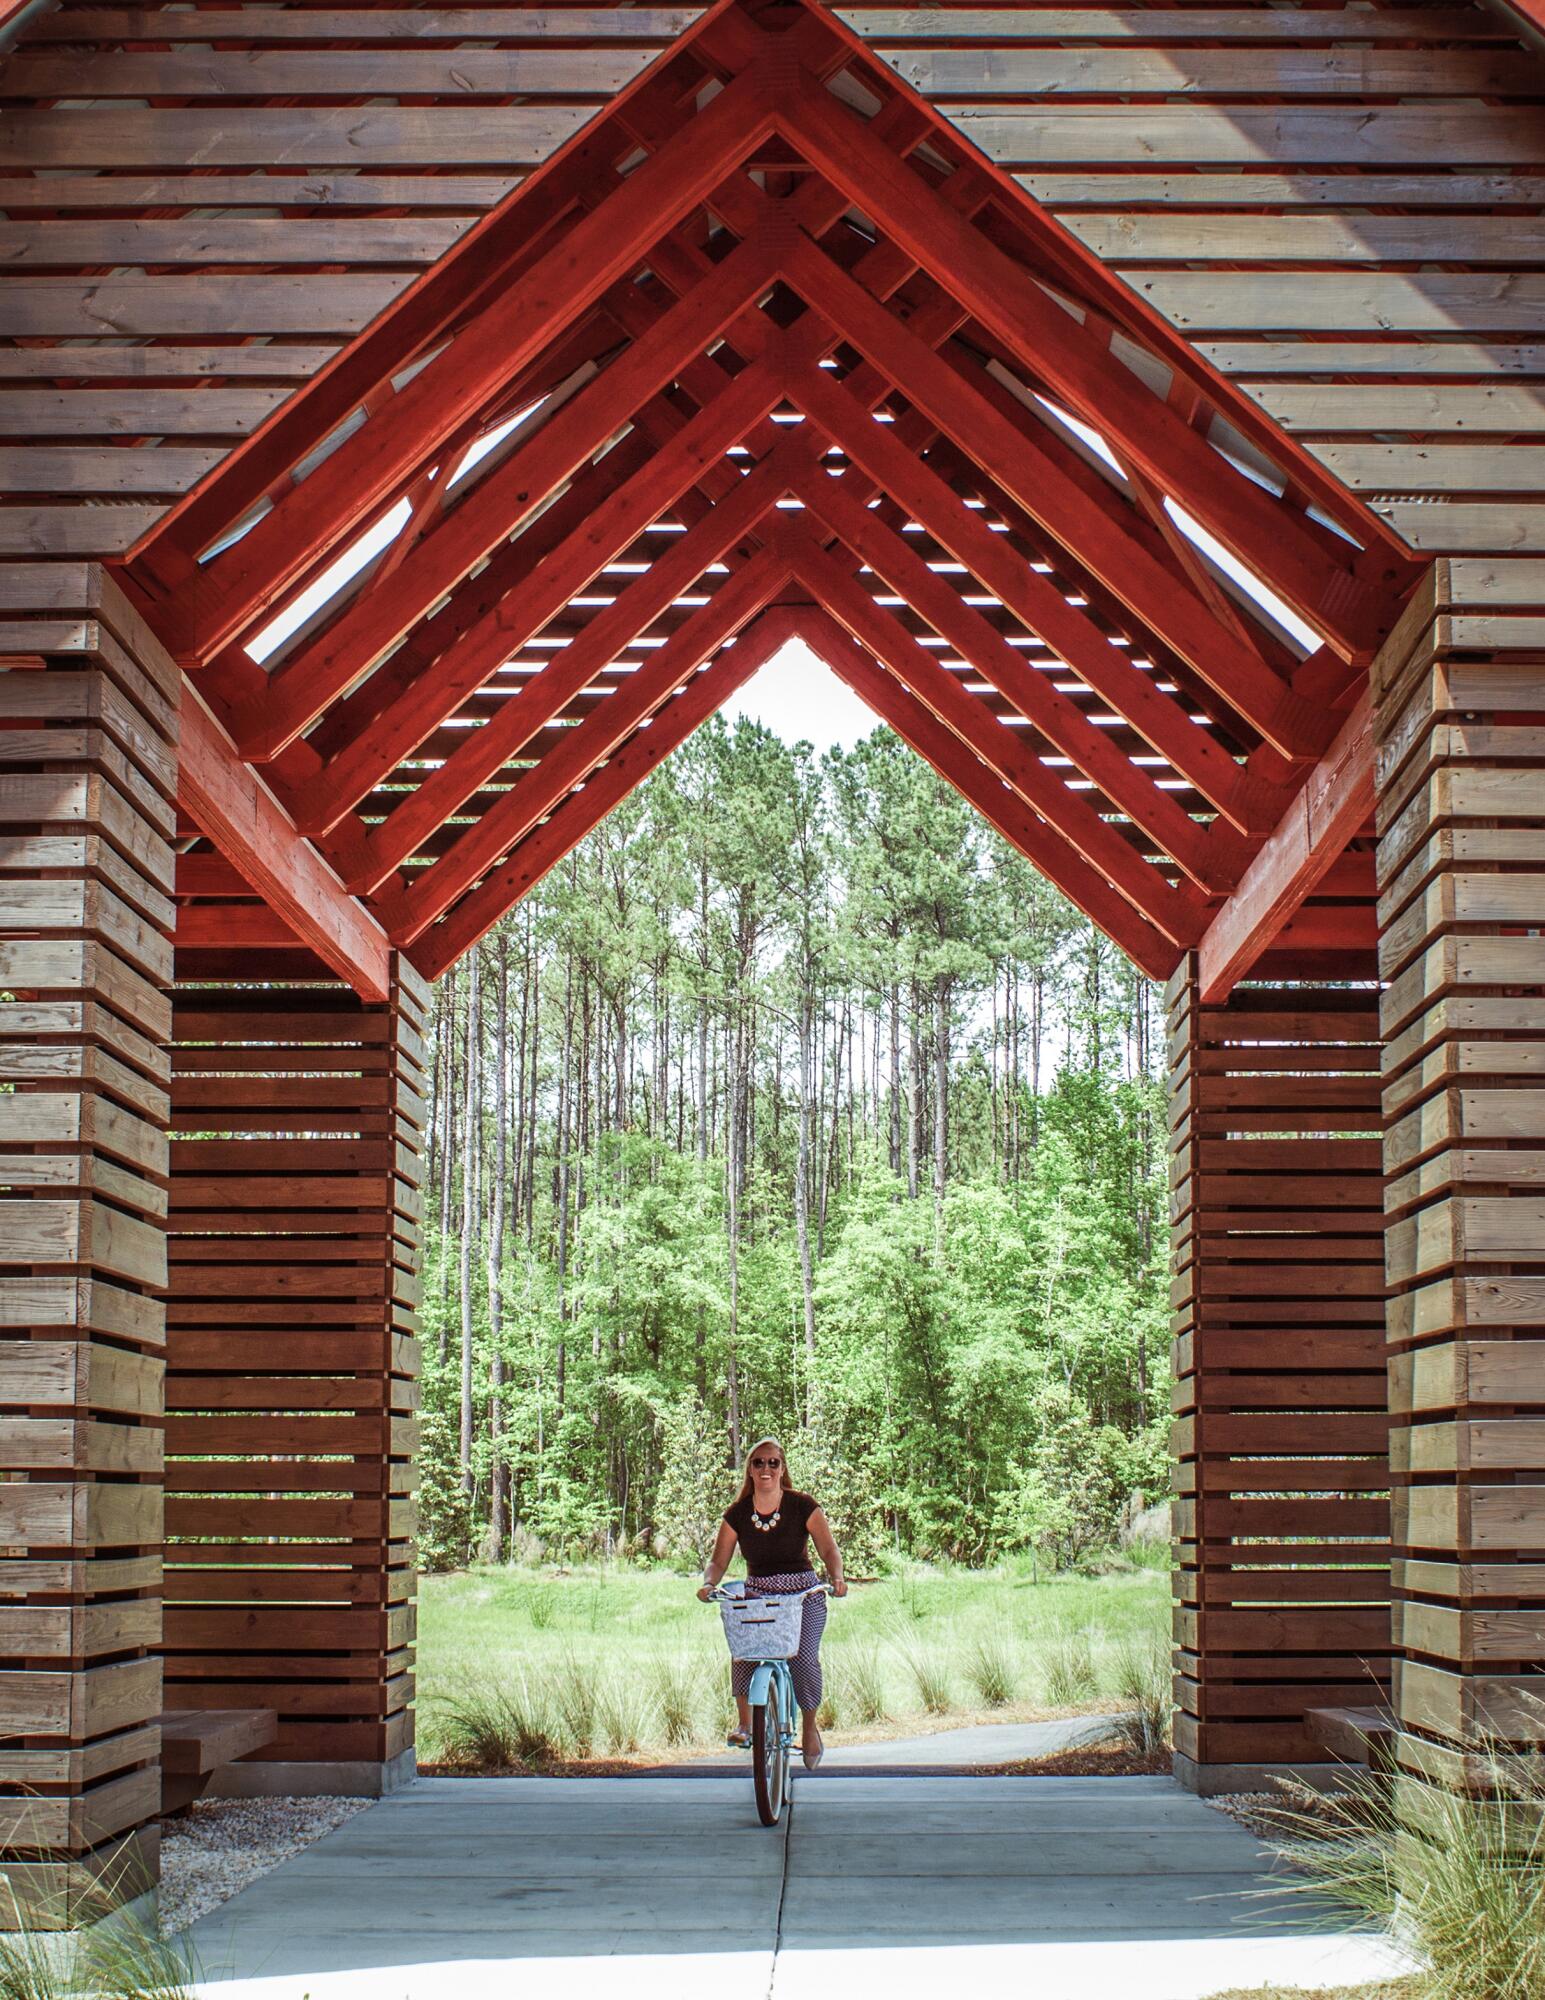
1142 407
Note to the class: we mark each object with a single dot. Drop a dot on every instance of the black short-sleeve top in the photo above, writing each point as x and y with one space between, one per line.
778 1549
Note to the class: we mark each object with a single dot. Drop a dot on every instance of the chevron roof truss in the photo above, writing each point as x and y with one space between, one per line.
769 351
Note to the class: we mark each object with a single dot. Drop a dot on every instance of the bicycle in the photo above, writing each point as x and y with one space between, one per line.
764 1631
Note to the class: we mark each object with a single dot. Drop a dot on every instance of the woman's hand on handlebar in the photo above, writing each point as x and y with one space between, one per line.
707 1592
839 1588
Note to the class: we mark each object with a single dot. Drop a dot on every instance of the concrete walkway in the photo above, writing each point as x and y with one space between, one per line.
944 1750
667 1889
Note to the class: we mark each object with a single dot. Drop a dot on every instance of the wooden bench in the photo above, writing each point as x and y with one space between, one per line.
197 1742
1356 1735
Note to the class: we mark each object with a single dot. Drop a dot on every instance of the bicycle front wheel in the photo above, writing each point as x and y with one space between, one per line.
769 1755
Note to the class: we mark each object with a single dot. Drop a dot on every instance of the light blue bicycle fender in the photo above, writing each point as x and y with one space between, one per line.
761 1680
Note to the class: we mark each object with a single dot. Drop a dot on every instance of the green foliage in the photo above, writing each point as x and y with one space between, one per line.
823 1116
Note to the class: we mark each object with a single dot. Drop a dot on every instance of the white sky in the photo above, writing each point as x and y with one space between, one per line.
799 697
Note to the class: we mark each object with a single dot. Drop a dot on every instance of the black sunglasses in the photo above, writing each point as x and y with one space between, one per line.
768 1464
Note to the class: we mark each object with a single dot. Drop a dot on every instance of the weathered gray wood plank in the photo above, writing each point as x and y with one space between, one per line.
1244 73
323 25
134 412
211 193
243 136
231 239
260 304
1206 135
1346 302
132 362
1450 406
461 74
1189 238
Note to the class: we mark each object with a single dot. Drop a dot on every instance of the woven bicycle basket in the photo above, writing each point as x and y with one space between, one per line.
762 1628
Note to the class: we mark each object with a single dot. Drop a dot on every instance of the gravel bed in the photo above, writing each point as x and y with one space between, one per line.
1247 1809
223 1844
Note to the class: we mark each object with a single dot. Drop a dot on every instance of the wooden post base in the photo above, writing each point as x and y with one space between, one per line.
1276 1186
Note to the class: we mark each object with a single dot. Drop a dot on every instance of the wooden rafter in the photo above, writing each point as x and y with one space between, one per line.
919 728
584 810
530 711
1176 912
695 263
1040 606
1335 803
232 806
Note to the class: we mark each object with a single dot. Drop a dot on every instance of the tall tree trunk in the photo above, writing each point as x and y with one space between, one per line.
447 1155
469 1211
914 1093
895 1088
941 1105
802 1174
499 1477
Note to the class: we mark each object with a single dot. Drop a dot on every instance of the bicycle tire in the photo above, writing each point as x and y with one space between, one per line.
769 1764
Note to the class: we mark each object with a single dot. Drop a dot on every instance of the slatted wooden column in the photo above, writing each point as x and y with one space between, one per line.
1461 692
297 1115
88 732
1282 1517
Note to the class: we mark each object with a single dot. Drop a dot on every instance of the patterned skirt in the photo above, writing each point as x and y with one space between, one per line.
806 1663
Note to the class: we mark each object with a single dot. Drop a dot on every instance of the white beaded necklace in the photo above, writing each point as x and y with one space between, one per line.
765 1527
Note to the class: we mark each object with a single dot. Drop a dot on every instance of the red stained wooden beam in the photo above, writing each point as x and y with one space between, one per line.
1529 15
1055 859
1333 806
408 430
1038 604
584 810
581 751
232 806
520 719
609 526
1154 594
302 687
1320 584
1178 913
1128 787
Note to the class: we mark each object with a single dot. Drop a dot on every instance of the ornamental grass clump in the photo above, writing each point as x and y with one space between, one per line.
1141 1677
860 1682
1456 1880
1070 1671
508 1725
100 1944
992 1668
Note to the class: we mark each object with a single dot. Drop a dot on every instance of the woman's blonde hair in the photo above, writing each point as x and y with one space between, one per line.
745 1484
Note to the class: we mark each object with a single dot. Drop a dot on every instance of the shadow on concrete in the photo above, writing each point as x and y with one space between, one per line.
645 1887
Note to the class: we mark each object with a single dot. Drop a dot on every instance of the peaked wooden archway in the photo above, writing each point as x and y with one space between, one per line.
769 350
786 356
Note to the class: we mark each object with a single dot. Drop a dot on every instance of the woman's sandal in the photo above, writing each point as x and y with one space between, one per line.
738 1739
813 1757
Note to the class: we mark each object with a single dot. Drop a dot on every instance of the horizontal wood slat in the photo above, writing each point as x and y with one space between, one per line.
1461 698
87 779
1282 1469
291 1357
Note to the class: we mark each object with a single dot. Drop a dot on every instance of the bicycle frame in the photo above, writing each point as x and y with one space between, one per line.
770 1698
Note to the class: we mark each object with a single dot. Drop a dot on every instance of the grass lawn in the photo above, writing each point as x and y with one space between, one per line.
615 1661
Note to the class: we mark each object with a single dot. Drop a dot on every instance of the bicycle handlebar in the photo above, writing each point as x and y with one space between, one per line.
717 1591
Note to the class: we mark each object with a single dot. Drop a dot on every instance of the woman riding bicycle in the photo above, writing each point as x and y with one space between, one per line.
774 1525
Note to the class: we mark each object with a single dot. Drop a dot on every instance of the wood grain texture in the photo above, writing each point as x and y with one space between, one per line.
1459 691
1282 1590
292 1354
85 814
